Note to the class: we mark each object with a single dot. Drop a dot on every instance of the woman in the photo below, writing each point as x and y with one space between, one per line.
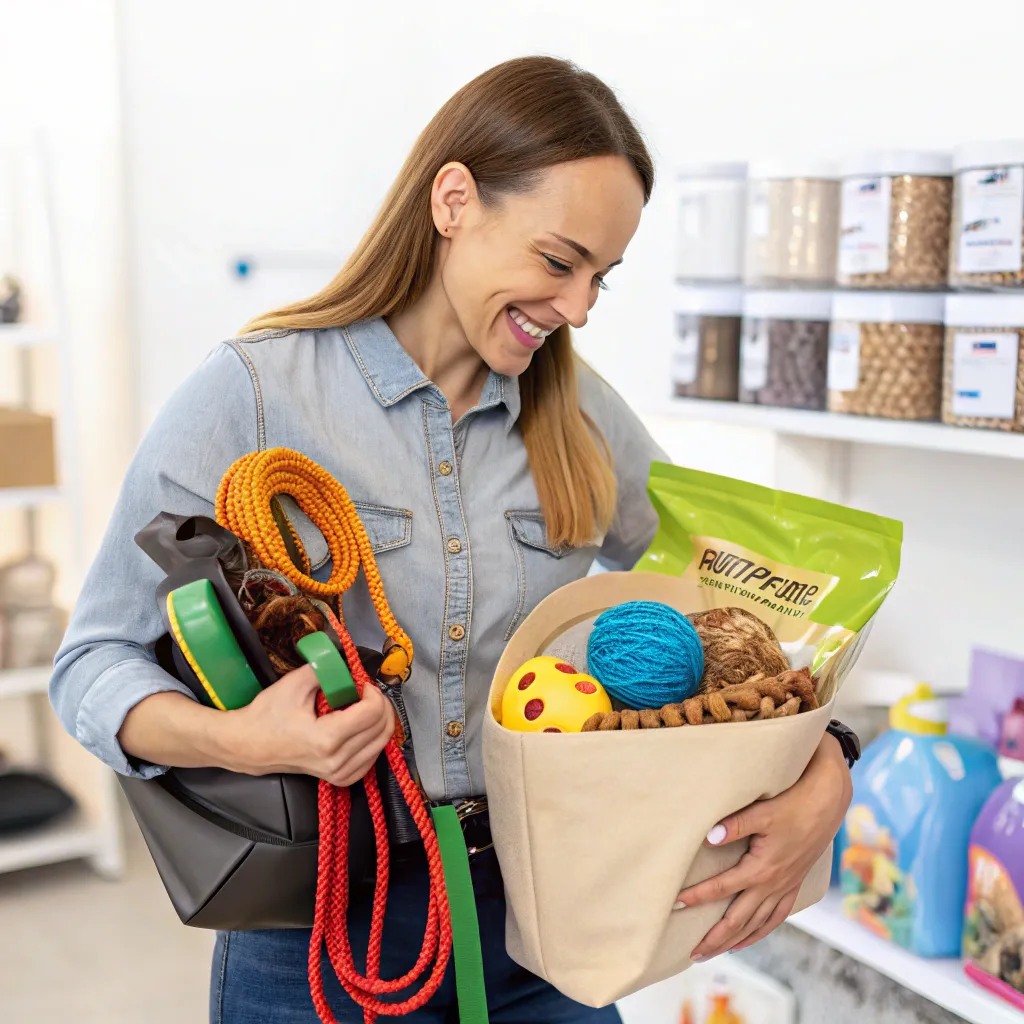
435 378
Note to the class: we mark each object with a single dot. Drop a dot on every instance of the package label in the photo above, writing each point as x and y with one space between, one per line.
992 210
754 349
985 375
864 233
686 354
760 216
844 356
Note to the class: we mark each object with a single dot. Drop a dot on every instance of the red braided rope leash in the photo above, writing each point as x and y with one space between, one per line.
332 890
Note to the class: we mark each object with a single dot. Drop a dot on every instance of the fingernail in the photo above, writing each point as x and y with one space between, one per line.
696 959
717 834
679 905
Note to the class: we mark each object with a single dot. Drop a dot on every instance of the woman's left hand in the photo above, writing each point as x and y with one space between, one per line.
787 836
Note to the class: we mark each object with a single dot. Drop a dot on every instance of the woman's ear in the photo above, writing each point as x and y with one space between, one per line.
454 192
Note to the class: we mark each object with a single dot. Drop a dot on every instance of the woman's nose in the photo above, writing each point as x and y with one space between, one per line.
575 302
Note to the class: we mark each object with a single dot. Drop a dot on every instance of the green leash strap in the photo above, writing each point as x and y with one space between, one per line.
469 960
331 671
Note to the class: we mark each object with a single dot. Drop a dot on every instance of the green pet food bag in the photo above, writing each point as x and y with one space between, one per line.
814 571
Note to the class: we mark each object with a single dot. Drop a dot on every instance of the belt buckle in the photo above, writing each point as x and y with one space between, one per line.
466 809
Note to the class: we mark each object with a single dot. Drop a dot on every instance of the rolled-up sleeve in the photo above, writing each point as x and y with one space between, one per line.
106 663
633 450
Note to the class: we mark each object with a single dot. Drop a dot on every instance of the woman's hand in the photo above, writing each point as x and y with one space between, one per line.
787 836
280 732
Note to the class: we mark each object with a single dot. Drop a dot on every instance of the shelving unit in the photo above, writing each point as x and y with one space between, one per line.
94 830
941 981
829 426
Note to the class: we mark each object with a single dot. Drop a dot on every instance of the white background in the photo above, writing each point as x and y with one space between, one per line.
273 129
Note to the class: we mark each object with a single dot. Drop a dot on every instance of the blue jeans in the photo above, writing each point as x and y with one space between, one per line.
261 977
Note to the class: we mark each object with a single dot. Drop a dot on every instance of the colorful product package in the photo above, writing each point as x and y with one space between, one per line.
814 571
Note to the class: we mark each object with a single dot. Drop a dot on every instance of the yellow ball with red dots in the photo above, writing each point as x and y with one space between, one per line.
549 695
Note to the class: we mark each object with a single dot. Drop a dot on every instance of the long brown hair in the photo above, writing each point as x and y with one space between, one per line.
507 126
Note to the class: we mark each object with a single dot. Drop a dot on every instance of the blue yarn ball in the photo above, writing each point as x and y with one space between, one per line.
646 654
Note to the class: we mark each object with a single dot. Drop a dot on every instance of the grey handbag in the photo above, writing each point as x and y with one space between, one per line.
238 851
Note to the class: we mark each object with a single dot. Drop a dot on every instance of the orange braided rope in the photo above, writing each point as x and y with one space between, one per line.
243 506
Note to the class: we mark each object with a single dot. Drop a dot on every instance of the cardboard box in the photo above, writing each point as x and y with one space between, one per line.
26 449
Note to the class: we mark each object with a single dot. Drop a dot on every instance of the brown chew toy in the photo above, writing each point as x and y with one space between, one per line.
757 698
737 646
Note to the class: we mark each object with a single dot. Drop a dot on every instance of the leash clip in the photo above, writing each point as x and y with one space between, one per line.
465 810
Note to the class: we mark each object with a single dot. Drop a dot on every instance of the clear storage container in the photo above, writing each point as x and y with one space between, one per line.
706 357
885 355
983 372
894 220
709 230
784 348
792 225
987 236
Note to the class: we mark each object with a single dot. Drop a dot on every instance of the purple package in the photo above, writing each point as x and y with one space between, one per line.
996 681
993 937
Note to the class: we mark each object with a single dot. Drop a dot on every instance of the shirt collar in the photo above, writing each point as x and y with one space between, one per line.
393 375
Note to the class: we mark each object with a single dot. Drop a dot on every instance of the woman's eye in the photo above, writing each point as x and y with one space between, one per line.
562 268
601 283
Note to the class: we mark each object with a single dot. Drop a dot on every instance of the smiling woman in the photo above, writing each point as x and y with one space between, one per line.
517 199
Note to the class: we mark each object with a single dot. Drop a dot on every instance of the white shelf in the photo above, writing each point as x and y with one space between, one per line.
25 335
941 981
840 427
20 681
26 497
51 845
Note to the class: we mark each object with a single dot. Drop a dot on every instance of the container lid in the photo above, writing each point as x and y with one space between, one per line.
985 310
709 301
784 305
898 161
988 154
712 169
793 167
889 307
920 713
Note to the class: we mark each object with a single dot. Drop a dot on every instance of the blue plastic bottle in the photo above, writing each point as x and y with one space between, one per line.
916 794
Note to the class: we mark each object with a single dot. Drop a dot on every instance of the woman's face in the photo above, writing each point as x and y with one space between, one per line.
516 270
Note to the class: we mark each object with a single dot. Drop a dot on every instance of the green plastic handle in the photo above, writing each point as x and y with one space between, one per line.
331 671
205 638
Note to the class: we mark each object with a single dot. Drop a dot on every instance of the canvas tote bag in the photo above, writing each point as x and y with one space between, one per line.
597 833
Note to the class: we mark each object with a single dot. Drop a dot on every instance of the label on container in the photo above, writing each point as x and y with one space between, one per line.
992 211
985 375
754 349
760 216
686 355
864 233
844 356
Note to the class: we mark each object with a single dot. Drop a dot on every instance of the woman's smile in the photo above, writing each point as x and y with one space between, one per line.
524 330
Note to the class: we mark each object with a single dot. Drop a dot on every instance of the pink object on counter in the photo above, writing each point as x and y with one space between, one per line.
994 985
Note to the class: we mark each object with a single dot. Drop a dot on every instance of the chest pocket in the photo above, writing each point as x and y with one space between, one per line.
387 528
541 566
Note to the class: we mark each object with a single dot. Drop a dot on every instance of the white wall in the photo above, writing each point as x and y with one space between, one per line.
270 128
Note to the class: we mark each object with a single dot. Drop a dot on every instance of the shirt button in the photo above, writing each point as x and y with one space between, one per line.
455 730
445 468
456 632
455 545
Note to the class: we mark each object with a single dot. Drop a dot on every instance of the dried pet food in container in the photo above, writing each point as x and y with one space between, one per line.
706 354
885 355
983 371
792 225
894 221
784 348
987 237
709 232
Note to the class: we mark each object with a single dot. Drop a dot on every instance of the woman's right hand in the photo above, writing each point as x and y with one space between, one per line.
280 732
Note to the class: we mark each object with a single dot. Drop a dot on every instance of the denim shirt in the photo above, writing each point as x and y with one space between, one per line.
451 512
